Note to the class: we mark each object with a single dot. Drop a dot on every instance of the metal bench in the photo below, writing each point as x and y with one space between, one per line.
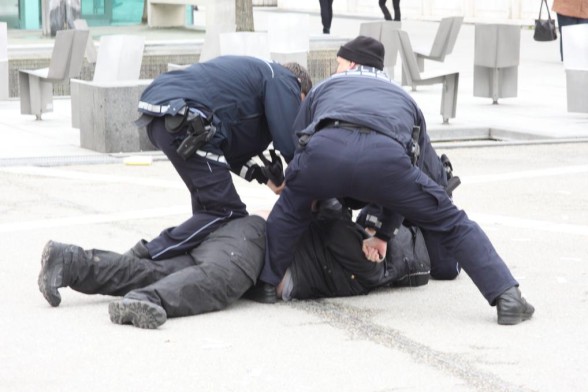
36 86
384 32
450 81
443 43
288 38
81 24
245 43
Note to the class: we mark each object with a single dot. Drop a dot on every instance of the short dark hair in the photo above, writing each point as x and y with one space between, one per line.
302 74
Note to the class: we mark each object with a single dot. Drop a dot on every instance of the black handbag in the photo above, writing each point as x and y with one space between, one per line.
545 29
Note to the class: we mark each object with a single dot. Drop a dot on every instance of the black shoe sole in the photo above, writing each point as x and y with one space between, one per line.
47 281
141 314
414 280
513 319
258 294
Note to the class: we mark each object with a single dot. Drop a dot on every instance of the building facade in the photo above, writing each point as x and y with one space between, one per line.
28 14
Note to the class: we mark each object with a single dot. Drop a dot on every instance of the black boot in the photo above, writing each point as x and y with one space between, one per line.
141 314
512 308
262 292
55 260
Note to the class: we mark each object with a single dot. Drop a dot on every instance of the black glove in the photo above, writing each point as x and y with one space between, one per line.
273 170
252 171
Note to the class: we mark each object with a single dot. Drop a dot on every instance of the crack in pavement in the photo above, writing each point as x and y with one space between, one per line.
357 322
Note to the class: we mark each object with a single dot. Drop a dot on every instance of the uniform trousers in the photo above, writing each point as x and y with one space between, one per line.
374 168
211 277
214 197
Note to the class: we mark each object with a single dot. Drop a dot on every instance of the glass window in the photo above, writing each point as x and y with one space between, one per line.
112 12
126 12
8 8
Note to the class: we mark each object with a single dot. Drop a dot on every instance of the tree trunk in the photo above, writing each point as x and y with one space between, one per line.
244 15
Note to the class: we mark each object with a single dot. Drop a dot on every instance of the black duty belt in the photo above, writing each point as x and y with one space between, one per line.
343 124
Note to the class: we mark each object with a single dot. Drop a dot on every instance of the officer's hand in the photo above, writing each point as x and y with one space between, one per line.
277 189
374 249
274 169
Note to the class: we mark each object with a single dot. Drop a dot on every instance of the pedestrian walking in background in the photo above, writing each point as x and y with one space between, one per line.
326 15
395 5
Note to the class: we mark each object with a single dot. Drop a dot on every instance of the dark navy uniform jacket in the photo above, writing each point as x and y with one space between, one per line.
254 102
368 98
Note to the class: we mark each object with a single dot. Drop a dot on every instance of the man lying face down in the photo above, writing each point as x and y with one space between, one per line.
328 262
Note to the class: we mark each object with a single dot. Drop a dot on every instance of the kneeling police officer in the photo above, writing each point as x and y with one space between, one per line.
210 119
357 133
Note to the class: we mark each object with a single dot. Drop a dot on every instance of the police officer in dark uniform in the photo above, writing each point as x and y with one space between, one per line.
356 134
212 118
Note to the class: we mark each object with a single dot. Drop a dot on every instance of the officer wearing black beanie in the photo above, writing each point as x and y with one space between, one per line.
364 51
356 143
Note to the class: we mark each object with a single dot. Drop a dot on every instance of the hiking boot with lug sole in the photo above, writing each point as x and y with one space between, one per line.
263 293
141 314
51 275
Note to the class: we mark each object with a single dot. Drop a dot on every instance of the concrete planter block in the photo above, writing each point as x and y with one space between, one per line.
107 114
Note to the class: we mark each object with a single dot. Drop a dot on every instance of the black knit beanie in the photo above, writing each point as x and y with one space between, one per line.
365 51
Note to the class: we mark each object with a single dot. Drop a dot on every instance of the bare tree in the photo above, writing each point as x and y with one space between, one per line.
244 15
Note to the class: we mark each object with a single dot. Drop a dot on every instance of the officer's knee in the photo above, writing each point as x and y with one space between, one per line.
446 272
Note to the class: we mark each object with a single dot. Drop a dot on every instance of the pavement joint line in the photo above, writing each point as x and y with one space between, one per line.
356 322
459 144
488 178
51 223
91 177
85 176
70 160
480 218
530 224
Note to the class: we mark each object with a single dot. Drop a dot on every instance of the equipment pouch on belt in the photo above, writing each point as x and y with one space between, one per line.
176 123
200 131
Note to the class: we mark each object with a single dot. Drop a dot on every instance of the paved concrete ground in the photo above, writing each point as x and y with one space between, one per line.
529 196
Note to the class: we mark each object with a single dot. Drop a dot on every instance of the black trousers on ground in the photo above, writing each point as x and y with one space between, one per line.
211 277
214 197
